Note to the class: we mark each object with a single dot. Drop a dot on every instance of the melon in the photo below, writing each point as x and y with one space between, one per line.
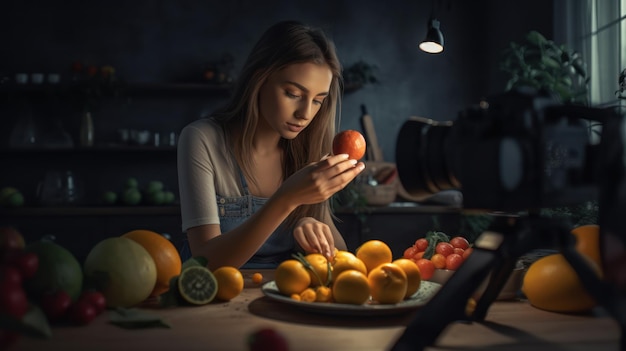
58 270
122 270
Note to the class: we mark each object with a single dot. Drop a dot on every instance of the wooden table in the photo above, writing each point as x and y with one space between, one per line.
512 325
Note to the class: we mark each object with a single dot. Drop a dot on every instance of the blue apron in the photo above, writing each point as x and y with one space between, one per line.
235 210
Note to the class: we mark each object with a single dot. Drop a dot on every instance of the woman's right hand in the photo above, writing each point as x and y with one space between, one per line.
320 180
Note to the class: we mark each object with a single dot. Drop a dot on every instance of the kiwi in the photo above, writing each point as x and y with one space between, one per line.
197 285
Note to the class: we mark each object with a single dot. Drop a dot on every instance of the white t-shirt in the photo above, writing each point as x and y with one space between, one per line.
206 167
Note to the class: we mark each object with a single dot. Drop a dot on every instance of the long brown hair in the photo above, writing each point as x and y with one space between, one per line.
283 44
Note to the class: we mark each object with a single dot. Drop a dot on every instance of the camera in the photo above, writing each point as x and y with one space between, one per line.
518 150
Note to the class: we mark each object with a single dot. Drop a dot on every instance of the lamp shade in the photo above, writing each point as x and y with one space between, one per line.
433 43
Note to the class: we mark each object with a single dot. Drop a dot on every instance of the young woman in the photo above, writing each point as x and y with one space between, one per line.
255 178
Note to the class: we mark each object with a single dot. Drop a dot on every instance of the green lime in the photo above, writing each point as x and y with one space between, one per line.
109 197
5 194
154 186
15 200
168 197
132 183
156 197
197 285
132 196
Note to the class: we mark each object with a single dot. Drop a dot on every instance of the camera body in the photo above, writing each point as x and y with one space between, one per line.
515 151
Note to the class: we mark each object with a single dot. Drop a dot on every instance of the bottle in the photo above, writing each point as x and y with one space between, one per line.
86 130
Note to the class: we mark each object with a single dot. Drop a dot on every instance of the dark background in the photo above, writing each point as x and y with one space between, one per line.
172 42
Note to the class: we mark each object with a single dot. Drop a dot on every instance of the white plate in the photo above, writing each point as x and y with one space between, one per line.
426 291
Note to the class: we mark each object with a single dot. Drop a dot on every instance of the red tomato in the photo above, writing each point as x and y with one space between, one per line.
454 261
82 312
10 275
458 250
467 252
13 300
421 244
418 255
95 298
444 248
460 242
267 339
439 261
27 263
427 268
55 304
410 252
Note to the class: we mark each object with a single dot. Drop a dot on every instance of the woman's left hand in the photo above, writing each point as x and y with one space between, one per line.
314 236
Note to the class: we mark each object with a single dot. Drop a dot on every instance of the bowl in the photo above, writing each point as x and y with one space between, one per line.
509 290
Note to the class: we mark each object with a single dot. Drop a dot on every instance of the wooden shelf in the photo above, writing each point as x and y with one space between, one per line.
104 149
77 211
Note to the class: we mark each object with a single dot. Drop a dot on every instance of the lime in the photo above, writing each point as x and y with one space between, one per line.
132 183
109 197
197 285
156 197
131 196
154 186
5 194
168 197
15 200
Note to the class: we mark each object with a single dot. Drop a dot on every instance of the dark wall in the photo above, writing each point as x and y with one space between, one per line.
164 41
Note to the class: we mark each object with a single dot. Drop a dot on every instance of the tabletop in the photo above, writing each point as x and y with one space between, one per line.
224 326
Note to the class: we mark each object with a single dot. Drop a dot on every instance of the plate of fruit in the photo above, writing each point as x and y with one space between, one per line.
367 282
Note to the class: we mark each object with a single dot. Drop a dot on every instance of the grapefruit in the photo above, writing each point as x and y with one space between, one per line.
165 256
58 270
122 270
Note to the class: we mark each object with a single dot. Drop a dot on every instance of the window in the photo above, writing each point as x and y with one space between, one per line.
596 29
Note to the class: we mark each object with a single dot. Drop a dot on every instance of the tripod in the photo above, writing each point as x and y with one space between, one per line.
498 248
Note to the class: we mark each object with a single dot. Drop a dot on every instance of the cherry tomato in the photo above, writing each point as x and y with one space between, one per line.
267 339
418 255
13 300
95 298
27 263
467 252
454 261
55 305
82 312
460 242
426 267
421 244
458 250
444 248
10 275
410 252
439 261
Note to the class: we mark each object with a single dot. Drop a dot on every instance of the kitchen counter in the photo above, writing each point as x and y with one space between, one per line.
223 326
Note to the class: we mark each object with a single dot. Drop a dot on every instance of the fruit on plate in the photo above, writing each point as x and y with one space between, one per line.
388 283
551 284
122 270
437 251
349 142
351 287
413 275
374 253
163 252
291 277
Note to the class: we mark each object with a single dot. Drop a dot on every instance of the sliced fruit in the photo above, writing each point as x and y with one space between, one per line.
197 285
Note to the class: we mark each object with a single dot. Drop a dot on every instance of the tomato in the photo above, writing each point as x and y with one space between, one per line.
454 261
13 300
421 244
95 298
439 261
467 252
55 304
10 275
427 268
27 263
418 255
82 312
458 250
267 339
410 252
460 242
444 248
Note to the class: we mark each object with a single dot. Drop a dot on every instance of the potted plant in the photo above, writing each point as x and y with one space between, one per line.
540 63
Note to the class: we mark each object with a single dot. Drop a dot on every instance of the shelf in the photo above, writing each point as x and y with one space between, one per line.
105 149
77 211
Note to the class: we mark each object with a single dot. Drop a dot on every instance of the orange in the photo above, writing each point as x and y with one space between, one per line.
388 283
551 284
413 276
164 253
320 266
308 295
257 278
323 294
291 277
344 260
588 241
229 282
374 253
349 142
351 287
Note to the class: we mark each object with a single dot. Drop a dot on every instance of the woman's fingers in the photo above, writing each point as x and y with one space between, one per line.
314 236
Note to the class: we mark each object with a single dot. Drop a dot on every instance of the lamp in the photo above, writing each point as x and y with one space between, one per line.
433 43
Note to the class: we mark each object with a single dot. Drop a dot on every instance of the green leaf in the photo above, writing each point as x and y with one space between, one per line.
195 261
136 319
434 238
33 324
535 38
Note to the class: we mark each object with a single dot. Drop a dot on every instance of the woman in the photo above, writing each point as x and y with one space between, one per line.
255 178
